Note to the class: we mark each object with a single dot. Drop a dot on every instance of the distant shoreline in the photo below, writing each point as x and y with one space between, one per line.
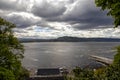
71 39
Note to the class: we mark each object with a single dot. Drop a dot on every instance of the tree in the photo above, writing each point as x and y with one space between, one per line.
113 7
11 50
6 74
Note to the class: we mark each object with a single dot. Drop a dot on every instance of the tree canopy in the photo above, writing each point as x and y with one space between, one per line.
11 50
113 7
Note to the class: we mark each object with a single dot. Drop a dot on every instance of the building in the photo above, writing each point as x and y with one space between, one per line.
48 74
48 71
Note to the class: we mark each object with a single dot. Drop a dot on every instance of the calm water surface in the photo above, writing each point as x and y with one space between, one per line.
65 54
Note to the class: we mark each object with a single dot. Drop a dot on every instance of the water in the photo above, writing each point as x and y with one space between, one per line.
65 54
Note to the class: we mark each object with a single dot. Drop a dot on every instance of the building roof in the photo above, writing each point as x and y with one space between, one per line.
48 71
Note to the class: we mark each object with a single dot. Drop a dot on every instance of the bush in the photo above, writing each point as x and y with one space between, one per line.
117 56
24 74
83 74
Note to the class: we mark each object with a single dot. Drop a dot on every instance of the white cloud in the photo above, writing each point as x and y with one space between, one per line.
43 32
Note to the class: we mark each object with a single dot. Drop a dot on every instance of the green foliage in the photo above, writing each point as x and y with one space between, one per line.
113 7
11 51
83 74
117 56
6 74
113 72
24 74
99 74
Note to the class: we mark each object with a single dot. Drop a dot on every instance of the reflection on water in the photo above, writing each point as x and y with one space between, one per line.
68 54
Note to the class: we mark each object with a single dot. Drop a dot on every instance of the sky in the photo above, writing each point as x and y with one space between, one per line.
46 19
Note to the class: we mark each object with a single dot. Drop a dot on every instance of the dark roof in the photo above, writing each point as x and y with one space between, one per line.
51 71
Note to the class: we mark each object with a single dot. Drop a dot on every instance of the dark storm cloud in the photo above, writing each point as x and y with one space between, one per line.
82 15
23 21
48 10
94 18
87 14
91 19
11 5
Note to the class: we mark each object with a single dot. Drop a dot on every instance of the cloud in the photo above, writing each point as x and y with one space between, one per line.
55 18
22 19
35 32
45 9
90 19
13 5
83 14
46 33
